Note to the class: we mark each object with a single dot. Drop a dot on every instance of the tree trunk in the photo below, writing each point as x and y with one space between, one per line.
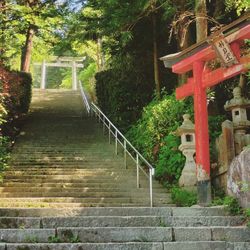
155 58
201 20
26 52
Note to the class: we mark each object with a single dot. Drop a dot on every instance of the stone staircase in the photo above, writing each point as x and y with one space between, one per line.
121 228
62 159
66 189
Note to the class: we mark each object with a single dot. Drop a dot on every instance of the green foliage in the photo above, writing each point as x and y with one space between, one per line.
74 239
20 92
247 215
239 5
119 92
183 198
4 153
54 239
215 122
171 160
153 136
231 203
87 76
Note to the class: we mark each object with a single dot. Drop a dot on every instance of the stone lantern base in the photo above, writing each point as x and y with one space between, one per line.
188 177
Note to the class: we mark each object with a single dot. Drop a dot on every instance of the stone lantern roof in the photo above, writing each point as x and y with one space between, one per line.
186 127
237 101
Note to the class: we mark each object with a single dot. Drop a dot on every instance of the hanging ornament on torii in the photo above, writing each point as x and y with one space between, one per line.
225 45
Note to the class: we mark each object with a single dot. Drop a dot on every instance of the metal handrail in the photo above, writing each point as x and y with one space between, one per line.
123 141
84 98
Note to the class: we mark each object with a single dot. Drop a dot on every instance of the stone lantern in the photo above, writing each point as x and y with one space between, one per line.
238 106
187 132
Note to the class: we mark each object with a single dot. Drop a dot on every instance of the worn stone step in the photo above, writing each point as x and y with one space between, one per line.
118 221
218 245
114 234
68 199
81 184
118 211
101 195
64 188
72 176
81 172
66 205
87 182
102 201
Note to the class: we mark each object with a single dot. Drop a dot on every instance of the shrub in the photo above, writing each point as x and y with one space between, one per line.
153 136
19 91
231 203
247 215
183 198
16 88
122 92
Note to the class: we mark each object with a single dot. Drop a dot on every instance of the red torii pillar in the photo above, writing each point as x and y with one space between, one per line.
226 45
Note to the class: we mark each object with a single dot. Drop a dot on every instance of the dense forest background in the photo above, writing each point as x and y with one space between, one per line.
123 41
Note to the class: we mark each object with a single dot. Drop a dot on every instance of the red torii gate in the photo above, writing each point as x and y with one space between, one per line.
225 44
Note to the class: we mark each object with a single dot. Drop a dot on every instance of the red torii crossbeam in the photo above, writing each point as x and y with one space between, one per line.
195 59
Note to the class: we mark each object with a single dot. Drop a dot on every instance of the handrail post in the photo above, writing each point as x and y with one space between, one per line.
116 142
109 134
125 153
103 124
137 171
151 187
99 115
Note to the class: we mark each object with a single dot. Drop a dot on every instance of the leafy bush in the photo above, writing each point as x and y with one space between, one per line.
16 87
231 203
25 89
153 136
87 76
247 215
19 91
122 92
4 156
214 132
183 198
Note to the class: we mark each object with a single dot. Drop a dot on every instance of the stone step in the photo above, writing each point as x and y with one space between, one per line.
119 221
98 177
81 172
81 184
218 245
82 181
126 234
101 195
69 199
82 161
66 205
86 167
117 211
64 188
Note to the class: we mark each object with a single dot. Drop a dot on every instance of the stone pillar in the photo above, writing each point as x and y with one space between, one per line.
238 106
74 76
188 177
43 76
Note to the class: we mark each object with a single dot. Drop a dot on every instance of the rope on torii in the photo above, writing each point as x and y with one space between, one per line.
65 62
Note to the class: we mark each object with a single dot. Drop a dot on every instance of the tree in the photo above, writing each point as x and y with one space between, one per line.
25 19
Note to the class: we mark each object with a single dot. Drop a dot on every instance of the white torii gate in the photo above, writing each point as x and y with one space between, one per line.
66 62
